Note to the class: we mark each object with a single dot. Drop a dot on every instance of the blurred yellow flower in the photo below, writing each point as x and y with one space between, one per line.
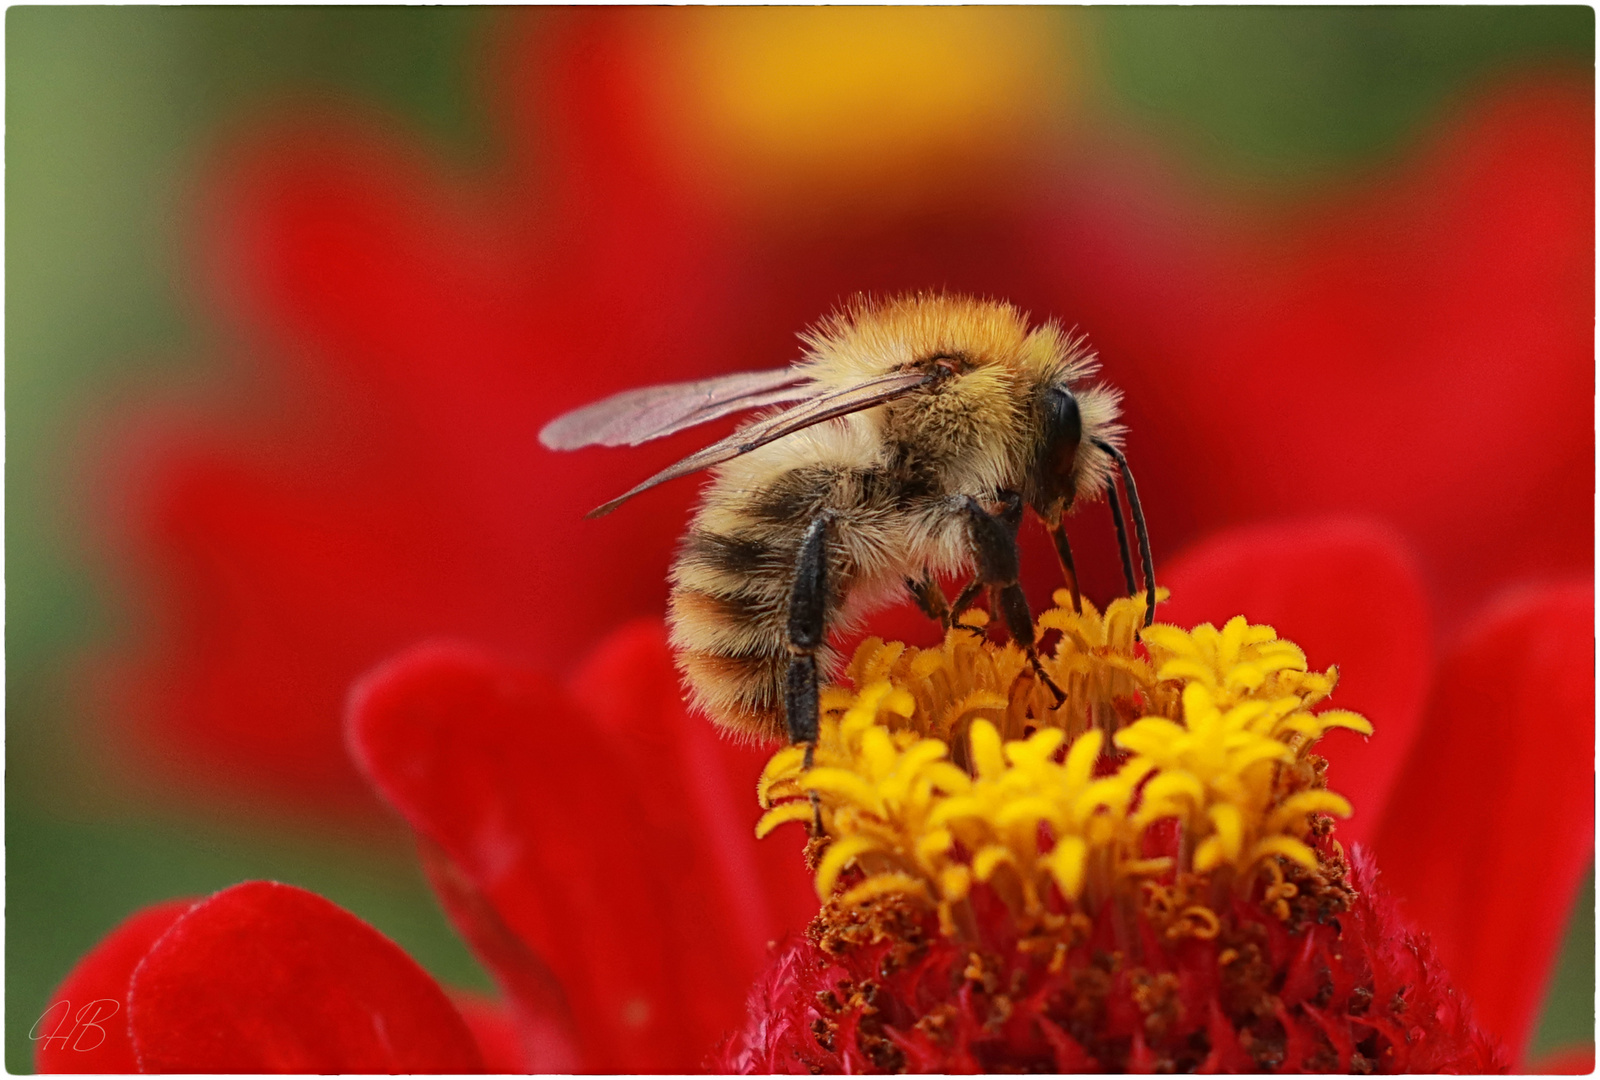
861 104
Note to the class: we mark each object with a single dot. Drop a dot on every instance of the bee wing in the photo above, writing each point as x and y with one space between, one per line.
650 412
814 411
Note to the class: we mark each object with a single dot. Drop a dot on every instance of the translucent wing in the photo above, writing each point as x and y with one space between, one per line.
650 412
813 411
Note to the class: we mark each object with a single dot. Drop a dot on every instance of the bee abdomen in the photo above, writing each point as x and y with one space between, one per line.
729 619
741 693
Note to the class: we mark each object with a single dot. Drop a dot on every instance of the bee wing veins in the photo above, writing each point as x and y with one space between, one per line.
652 412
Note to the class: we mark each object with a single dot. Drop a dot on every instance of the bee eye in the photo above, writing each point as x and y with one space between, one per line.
1051 483
1063 428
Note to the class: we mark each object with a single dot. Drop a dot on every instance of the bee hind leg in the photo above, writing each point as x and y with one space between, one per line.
999 565
808 610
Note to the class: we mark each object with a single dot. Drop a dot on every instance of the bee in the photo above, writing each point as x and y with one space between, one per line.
902 447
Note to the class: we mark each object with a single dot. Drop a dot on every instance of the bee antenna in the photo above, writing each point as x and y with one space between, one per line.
1122 535
1145 560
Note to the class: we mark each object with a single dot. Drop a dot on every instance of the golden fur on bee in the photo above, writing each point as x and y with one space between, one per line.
886 474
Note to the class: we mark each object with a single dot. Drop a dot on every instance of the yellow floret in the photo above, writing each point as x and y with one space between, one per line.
954 765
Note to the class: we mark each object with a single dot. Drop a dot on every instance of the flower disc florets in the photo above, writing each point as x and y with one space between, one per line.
1140 876
953 765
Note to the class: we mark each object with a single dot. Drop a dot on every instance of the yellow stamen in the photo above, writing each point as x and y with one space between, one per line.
884 885
840 853
779 815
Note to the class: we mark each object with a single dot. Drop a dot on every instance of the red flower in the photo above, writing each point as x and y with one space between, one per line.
592 841
846 1000
1417 348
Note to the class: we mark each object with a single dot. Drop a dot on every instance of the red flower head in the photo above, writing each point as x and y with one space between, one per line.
1142 877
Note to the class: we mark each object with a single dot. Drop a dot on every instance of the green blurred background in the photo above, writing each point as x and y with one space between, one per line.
108 112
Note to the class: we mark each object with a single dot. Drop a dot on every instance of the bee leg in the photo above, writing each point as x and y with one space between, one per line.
994 548
930 598
963 602
808 609
1013 607
1011 512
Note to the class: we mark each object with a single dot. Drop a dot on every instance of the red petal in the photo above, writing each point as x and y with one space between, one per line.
1492 823
535 998
264 977
1347 593
599 854
500 1038
85 1027
699 780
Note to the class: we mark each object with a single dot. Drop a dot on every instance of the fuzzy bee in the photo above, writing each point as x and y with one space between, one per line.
909 439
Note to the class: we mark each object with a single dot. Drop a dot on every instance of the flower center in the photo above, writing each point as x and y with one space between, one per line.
1176 773
1142 878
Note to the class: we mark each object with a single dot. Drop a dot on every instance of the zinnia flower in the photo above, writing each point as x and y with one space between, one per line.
593 844
1143 877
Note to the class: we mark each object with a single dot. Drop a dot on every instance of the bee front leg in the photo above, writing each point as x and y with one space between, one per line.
999 566
930 598
808 611
963 602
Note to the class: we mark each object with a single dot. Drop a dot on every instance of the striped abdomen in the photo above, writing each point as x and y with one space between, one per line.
731 588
